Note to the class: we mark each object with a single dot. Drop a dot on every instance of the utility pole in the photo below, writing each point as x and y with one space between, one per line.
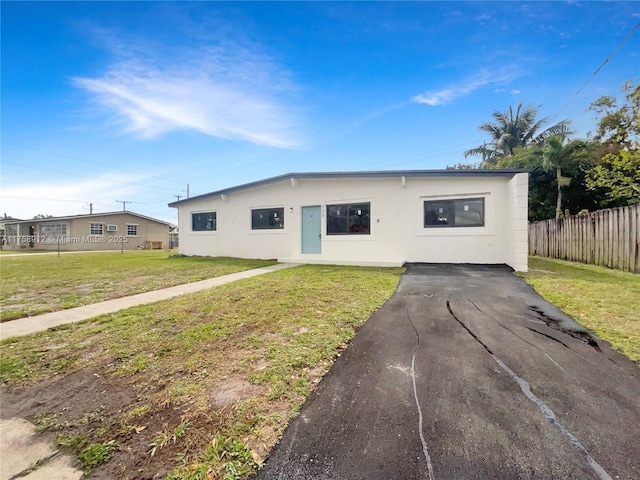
177 196
187 190
90 208
124 204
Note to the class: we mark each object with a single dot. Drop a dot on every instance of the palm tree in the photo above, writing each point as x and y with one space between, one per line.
514 130
558 155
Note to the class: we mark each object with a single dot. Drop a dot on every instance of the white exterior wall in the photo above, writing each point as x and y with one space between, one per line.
519 193
397 231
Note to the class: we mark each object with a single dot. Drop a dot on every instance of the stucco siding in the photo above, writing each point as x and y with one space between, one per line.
397 231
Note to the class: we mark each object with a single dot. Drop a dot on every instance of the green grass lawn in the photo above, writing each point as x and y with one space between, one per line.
603 300
33 284
229 366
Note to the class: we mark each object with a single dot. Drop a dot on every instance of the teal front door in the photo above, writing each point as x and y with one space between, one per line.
311 230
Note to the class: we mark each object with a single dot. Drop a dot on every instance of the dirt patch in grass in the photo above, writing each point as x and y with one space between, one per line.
197 387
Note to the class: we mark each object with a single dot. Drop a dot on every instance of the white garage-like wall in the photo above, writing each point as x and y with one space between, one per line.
397 232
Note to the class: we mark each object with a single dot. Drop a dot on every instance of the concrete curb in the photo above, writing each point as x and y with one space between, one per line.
25 326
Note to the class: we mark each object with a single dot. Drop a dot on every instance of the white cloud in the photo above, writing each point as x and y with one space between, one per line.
226 91
26 199
485 78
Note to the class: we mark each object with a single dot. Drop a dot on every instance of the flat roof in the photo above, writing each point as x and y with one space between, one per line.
365 174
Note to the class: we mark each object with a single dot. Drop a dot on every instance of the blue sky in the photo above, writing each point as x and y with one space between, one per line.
106 101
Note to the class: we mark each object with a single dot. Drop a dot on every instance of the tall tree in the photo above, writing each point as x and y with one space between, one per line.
511 130
619 124
558 155
617 174
543 183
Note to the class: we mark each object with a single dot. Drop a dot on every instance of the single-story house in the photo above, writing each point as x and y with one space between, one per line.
4 219
381 218
122 230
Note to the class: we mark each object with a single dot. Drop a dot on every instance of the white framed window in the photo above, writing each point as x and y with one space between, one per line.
132 230
112 228
96 229
53 232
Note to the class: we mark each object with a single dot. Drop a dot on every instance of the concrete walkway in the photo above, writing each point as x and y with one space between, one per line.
27 325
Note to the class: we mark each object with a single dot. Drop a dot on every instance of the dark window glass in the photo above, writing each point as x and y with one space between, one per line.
267 218
202 222
349 219
454 213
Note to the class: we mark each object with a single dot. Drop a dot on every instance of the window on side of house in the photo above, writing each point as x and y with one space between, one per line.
132 230
267 218
96 229
463 212
204 222
349 219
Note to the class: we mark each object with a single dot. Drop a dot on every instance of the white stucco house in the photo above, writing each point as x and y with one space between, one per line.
384 218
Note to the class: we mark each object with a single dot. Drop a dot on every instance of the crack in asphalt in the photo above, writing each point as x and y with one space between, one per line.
555 324
544 408
529 343
425 450
550 337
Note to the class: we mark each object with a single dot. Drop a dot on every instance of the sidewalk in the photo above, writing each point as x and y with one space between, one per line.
27 325
22 453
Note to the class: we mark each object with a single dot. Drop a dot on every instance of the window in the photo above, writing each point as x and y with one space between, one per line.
465 212
53 232
112 228
267 218
132 230
349 219
204 221
96 229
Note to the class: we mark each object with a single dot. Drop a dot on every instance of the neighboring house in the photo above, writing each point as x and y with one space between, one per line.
382 218
4 219
97 231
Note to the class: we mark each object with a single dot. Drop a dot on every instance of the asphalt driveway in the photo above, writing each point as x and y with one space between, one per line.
466 373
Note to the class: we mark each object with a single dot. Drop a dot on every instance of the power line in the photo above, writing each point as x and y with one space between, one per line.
124 204
420 156
599 68
73 174
90 162
157 200
43 199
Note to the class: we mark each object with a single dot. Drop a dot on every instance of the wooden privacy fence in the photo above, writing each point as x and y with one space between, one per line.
609 238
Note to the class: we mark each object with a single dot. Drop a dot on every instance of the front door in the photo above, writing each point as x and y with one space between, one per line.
32 236
311 230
